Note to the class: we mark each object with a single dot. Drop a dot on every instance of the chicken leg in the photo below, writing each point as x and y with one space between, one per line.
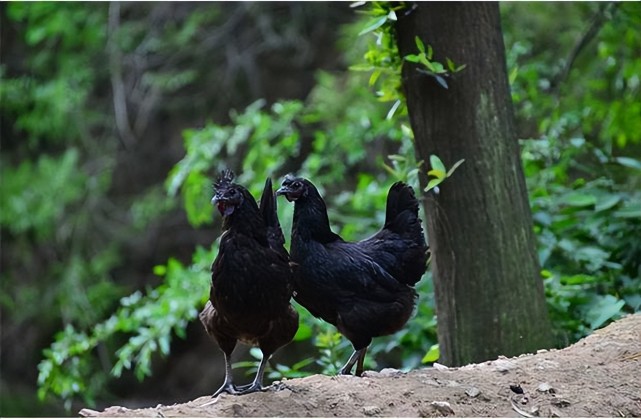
358 355
228 386
257 384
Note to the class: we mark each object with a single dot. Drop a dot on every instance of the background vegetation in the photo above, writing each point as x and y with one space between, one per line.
115 118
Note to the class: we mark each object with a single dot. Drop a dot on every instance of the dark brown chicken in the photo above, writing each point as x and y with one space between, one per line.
251 282
365 289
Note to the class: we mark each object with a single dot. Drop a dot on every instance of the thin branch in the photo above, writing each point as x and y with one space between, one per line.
597 22
147 106
117 84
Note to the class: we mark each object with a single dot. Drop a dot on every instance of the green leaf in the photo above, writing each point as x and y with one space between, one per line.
432 355
432 183
196 199
390 170
419 44
412 58
441 81
580 279
436 163
256 353
437 173
375 75
244 364
450 65
427 63
393 109
163 343
392 16
407 131
603 309
513 74
629 211
579 199
160 270
304 332
373 25
460 68
633 301
430 52
607 202
628 162
361 67
302 364
438 67
454 167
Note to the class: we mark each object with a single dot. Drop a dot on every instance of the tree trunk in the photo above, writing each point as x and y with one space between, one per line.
489 294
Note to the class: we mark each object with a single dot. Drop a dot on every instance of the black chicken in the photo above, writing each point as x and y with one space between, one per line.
365 289
251 281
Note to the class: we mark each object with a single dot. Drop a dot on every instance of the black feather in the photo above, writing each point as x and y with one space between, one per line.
365 288
251 283
224 180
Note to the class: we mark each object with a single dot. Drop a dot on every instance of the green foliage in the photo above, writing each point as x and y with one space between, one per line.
62 228
431 67
383 61
382 58
439 173
582 180
151 320
277 371
268 136
163 311
579 80
588 229
44 103
43 189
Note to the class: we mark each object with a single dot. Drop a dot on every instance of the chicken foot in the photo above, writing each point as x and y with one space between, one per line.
228 386
257 384
358 355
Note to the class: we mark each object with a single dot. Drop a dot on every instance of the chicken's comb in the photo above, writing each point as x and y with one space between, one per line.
226 177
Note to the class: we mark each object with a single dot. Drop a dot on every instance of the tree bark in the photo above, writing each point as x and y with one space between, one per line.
489 294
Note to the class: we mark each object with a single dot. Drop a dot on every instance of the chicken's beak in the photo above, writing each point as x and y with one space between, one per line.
284 190
223 206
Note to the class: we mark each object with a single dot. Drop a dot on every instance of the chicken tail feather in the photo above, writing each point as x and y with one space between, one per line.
402 209
267 209
268 205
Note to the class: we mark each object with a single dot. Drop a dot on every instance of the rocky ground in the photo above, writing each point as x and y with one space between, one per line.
598 376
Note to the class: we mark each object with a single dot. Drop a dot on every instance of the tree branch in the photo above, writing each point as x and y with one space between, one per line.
117 84
597 22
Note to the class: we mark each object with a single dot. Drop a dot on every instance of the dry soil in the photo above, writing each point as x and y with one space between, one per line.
598 376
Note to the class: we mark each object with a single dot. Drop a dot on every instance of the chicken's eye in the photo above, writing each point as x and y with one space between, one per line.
232 192
296 184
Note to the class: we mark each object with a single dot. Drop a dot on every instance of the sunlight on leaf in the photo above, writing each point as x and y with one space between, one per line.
432 355
437 164
373 25
432 183
437 173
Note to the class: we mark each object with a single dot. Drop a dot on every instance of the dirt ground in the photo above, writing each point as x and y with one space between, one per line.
598 376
